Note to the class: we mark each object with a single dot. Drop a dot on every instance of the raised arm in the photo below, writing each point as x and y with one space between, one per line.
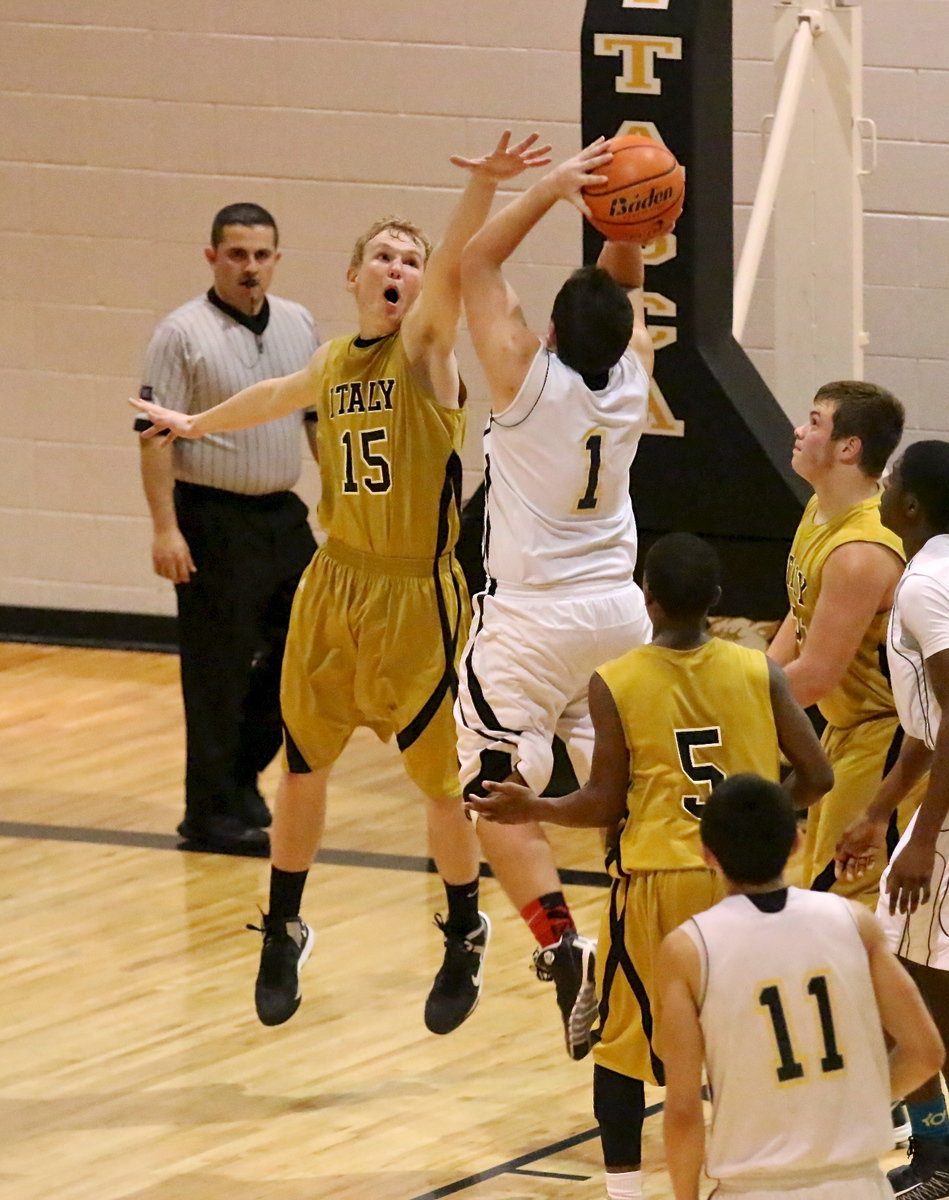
431 326
624 262
601 802
502 341
857 582
264 401
811 774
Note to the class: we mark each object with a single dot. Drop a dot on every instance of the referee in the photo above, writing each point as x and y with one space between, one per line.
227 530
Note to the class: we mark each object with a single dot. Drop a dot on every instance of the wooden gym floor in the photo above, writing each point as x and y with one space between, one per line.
134 1067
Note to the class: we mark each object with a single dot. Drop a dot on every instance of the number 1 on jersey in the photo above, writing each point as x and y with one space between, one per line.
593 444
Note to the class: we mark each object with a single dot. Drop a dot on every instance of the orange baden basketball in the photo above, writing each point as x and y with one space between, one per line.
643 194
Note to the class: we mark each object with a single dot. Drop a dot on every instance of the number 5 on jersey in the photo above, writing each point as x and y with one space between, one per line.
372 460
702 773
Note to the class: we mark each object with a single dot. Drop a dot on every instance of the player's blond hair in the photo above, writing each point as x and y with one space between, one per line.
396 225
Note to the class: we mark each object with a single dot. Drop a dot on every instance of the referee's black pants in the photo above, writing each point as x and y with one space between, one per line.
233 614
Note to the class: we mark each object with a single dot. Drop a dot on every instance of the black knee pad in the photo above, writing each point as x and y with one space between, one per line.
619 1105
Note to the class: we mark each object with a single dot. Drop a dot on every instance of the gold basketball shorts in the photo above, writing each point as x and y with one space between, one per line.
375 641
858 755
642 908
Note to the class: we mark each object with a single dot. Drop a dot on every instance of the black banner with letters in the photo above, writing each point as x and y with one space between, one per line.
718 461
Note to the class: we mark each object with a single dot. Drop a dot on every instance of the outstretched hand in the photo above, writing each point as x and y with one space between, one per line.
572 176
505 161
163 420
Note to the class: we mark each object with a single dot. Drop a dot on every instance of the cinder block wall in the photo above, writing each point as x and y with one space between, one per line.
125 124
906 200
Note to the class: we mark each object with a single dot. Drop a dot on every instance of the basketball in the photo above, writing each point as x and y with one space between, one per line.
643 193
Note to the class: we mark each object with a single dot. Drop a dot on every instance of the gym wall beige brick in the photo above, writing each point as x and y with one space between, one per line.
906 202
125 124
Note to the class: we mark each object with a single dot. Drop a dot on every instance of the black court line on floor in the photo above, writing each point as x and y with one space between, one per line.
550 1175
337 858
514 1165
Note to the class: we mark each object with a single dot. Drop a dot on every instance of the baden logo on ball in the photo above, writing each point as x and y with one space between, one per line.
643 194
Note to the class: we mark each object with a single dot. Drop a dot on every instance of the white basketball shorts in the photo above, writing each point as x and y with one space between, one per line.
525 671
922 937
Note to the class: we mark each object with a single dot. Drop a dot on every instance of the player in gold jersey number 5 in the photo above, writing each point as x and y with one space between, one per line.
672 719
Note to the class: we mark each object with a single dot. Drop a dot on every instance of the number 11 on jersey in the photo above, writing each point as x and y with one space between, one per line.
789 1066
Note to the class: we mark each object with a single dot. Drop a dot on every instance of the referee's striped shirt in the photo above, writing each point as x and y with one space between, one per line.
199 356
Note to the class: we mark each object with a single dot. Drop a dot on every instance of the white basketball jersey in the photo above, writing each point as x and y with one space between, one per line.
793 1042
558 509
918 629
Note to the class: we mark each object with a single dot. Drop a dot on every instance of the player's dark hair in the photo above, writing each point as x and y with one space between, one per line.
869 412
593 322
924 472
749 824
684 574
241 214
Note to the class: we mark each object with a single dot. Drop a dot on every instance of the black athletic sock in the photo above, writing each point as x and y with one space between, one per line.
286 893
619 1105
462 906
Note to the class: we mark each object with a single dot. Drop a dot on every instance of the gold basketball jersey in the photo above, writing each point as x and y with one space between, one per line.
691 718
864 692
389 454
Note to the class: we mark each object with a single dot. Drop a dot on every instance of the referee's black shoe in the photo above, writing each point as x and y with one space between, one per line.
253 807
218 833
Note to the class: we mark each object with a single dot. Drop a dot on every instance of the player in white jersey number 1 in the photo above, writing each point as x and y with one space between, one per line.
783 995
567 413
